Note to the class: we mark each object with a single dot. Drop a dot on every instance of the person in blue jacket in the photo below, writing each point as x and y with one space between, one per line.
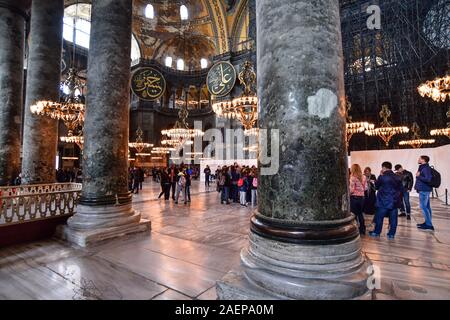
423 180
390 188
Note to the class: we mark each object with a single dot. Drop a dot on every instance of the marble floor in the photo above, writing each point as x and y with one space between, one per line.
191 246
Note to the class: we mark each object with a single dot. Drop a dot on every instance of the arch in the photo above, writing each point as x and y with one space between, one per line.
239 25
218 16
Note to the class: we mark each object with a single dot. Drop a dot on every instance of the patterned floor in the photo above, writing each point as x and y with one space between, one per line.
192 246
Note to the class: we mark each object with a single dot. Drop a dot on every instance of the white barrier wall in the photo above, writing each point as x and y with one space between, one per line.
213 164
439 158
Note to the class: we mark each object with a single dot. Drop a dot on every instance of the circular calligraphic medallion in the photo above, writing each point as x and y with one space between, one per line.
148 83
221 79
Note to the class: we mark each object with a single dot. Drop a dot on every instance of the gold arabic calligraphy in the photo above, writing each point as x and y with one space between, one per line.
148 84
220 79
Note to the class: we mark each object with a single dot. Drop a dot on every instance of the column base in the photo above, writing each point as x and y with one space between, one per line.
94 224
276 270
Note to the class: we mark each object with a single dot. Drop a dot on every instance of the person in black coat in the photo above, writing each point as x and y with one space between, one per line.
370 193
408 183
390 188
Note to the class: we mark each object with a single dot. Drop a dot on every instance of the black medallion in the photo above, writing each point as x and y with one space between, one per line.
148 83
221 79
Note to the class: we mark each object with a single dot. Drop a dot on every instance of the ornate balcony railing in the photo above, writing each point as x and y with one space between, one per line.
37 202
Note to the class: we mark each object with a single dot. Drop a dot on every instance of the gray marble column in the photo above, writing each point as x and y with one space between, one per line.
304 242
40 136
105 210
12 31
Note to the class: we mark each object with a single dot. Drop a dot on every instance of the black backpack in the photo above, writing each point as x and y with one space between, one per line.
435 178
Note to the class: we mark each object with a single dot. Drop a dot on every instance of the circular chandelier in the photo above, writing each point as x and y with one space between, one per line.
245 107
181 128
437 89
442 131
355 127
162 150
386 131
416 142
71 107
139 144
252 132
77 139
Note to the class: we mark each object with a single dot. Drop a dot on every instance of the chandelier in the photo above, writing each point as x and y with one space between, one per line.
416 142
71 107
443 131
245 107
162 150
139 144
181 128
386 131
355 127
71 138
252 132
437 89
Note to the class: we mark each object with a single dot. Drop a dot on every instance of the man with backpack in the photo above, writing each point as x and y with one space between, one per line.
424 186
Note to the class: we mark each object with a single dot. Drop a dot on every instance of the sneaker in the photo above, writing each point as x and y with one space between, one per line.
408 217
402 214
390 236
373 234
426 227
421 225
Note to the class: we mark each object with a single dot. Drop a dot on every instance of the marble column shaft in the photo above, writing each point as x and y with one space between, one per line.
12 39
43 83
105 154
304 242
105 209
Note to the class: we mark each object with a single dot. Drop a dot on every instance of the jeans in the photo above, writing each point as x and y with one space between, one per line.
254 197
187 191
207 180
405 203
180 189
174 184
379 218
424 200
234 193
357 206
224 195
243 196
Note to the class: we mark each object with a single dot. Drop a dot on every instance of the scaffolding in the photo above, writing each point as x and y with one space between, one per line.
386 65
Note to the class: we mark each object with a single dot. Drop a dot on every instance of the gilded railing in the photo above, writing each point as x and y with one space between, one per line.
36 202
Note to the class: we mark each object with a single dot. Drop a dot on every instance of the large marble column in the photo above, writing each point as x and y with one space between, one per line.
105 210
40 136
304 242
12 39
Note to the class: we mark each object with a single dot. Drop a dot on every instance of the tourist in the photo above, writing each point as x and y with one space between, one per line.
207 173
408 183
358 186
254 187
165 185
389 187
423 180
234 192
243 187
225 184
370 193
181 184
187 187
173 172
248 196
136 180
18 180
141 177
130 179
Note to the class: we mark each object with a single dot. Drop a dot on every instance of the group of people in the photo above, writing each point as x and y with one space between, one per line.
386 195
177 179
237 184
136 176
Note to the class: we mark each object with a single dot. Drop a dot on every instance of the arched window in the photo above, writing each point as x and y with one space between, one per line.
77 18
169 62
149 11
180 64
184 12
203 63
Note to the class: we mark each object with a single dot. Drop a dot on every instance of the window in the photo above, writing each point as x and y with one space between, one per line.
77 18
203 63
149 11
180 64
169 62
184 12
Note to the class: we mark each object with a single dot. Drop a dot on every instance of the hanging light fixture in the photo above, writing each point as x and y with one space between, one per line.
437 89
139 144
71 107
245 107
386 131
416 141
443 131
181 129
355 127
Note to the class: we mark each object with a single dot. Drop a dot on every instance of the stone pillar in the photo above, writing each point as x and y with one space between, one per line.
105 210
304 242
12 39
40 136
